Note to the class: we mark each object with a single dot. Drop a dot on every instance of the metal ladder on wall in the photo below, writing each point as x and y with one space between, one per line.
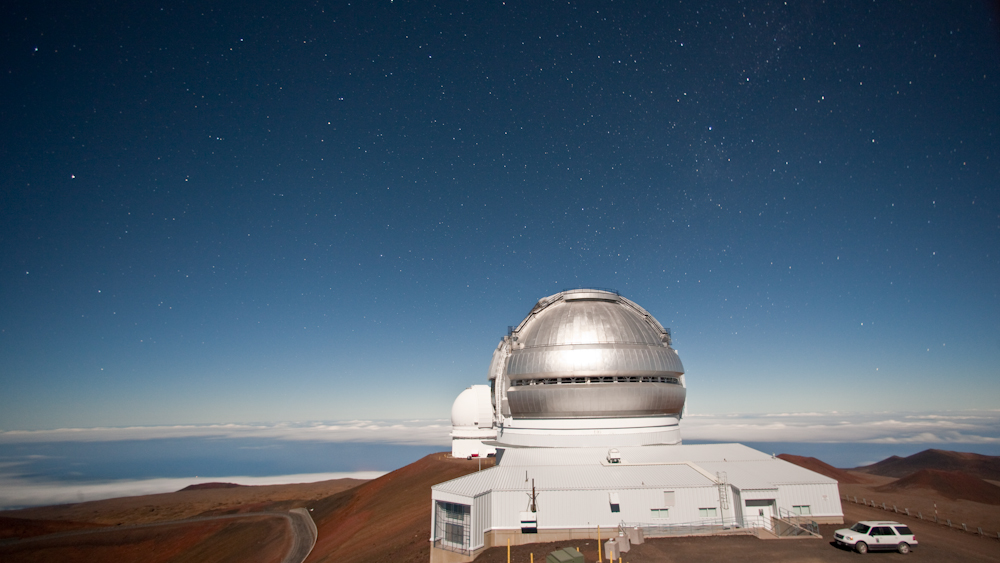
722 480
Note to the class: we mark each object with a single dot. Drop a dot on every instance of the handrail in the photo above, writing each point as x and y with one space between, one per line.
448 546
796 526
701 527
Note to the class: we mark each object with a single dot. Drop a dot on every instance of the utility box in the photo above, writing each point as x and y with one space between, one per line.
564 555
623 544
635 536
529 522
611 550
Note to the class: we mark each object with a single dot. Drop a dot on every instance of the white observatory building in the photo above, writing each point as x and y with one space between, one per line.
472 423
583 412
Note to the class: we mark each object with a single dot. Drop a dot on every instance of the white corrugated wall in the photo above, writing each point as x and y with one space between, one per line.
823 499
738 506
481 519
590 508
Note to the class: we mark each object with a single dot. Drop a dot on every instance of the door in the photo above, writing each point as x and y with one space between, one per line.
761 510
884 537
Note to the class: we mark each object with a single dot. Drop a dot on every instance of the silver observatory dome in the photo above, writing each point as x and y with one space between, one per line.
587 354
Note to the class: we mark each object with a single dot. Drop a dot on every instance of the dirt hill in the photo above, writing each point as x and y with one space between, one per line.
201 486
26 527
256 539
182 504
823 468
386 519
949 484
981 466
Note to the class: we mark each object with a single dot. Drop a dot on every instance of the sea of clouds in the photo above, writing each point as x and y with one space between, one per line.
22 483
17 492
959 428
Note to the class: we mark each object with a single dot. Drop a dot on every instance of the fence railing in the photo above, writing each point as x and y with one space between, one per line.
935 519
449 546
700 528
797 524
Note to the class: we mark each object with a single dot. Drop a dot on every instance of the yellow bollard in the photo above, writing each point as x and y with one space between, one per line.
600 552
508 550
532 558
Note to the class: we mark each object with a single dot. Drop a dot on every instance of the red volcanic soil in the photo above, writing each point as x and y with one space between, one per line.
260 539
982 466
202 486
823 468
257 538
185 504
387 519
953 485
26 528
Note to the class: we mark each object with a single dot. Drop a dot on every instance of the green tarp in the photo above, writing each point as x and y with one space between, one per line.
564 555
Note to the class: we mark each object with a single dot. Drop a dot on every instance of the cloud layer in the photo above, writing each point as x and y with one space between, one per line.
18 492
411 432
968 427
965 427
19 488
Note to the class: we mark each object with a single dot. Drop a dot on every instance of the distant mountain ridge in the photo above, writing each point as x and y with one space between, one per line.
953 485
201 486
981 466
823 468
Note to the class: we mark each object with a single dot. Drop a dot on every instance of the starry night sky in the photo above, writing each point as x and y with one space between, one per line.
227 212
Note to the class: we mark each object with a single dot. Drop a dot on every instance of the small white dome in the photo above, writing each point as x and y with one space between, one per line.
473 408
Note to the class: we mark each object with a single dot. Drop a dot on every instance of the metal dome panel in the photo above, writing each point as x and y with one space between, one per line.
587 322
588 354
613 400
601 359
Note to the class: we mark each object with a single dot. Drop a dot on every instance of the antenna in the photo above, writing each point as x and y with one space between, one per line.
533 507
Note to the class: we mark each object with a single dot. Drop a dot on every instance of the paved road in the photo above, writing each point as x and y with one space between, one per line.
304 535
299 521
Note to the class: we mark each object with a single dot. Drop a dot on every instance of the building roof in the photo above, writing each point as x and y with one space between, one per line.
583 477
639 467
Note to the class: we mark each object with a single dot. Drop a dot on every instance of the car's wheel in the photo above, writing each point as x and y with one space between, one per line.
861 547
903 547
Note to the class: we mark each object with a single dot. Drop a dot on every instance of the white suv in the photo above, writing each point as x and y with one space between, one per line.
876 535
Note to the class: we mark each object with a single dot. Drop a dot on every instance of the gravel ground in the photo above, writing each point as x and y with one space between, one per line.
937 544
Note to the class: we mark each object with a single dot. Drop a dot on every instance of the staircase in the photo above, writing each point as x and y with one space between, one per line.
787 524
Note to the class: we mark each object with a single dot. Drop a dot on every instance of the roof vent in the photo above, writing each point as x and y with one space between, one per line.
614 456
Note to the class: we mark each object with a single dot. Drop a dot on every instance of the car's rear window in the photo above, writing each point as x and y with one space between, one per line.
904 531
860 528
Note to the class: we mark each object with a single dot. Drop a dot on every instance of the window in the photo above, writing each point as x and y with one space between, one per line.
455 511
904 531
707 512
668 498
452 524
802 509
660 513
454 533
860 528
615 503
